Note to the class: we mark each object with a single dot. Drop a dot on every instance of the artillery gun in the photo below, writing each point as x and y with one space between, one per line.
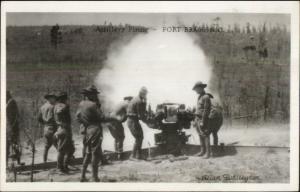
171 119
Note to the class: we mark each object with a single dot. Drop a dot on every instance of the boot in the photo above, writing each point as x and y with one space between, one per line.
202 147
45 155
139 154
207 146
60 162
95 174
134 152
95 162
66 163
86 162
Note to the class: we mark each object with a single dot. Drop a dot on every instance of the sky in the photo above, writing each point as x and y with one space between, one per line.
144 19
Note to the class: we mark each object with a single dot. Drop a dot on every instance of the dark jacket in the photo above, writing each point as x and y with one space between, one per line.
137 108
203 108
12 121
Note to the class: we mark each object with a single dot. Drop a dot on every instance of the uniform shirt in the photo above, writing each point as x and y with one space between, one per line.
46 114
120 111
62 115
12 122
89 113
137 108
203 107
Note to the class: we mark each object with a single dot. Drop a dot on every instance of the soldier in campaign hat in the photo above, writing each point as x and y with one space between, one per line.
46 118
203 108
90 116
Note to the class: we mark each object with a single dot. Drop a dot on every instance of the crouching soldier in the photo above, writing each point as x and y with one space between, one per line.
12 129
137 111
63 134
119 116
89 114
46 118
203 108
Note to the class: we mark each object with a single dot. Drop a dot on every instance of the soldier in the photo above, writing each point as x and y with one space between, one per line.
202 117
63 135
46 118
215 122
89 114
116 128
12 129
137 111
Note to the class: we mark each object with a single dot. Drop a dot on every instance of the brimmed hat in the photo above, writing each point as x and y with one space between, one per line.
144 90
90 90
210 95
49 95
128 98
199 84
61 94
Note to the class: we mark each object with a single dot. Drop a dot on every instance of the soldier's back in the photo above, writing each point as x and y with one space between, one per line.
88 112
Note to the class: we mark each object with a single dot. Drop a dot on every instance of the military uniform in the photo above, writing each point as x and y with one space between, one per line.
203 108
215 122
90 116
63 135
46 117
12 129
202 112
136 111
119 116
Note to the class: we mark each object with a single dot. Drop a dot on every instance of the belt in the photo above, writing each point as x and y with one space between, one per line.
133 116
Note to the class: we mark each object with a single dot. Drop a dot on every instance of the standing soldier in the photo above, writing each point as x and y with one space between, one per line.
46 118
12 129
63 135
137 111
202 117
119 116
90 116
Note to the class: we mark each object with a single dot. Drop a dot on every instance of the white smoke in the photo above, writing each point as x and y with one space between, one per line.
168 64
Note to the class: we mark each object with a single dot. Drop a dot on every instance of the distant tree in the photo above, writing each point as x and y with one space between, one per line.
253 29
243 30
248 28
264 28
229 28
236 28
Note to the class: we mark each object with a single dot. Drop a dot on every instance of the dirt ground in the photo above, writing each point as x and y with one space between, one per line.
263 165
237 135
251 166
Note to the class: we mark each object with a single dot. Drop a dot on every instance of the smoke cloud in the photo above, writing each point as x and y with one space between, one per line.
168 64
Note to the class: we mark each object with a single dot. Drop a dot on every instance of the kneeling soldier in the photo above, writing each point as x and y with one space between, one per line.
63 135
